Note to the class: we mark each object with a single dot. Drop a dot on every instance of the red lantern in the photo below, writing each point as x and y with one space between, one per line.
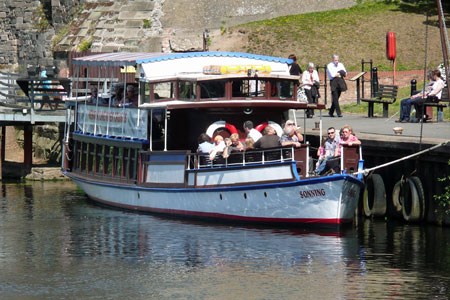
390 46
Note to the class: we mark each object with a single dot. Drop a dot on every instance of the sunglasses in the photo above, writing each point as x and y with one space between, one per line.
290 124
331 132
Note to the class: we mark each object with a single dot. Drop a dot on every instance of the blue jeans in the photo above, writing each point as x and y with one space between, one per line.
405 107
322 165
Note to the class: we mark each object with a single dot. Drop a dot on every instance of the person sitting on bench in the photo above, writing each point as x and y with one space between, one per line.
433 90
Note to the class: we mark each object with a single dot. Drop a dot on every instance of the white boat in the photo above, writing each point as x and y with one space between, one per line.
143 157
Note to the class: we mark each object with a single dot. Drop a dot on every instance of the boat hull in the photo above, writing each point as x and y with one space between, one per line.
330 200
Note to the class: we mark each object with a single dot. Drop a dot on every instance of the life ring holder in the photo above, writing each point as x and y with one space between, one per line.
275 126
220 124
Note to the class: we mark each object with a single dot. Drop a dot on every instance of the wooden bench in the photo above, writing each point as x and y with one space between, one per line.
444 102
386 94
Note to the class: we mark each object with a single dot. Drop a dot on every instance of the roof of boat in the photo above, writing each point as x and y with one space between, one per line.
133 58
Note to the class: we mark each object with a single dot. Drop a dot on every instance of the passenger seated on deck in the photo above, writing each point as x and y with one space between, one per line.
204 143
249 143
269 140
94 96
219 145
329 148
347 138
117 95
291 135
227 149
333 164
251 132
236 144
131 97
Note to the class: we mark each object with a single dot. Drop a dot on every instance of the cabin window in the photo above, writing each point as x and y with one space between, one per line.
115 163
248 88
212 89
160 90
163 90
283 89
188 90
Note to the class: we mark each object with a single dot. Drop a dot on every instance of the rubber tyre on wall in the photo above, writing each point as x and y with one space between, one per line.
397 197
413 200
374 200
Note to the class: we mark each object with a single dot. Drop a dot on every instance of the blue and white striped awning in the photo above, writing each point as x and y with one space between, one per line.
133 58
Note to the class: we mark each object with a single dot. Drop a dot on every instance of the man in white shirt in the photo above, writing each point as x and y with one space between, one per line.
252 132
335 71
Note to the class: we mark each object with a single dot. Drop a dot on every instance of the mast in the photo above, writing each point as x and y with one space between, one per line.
444 39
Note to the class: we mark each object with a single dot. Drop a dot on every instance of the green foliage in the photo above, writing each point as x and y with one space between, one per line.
146 23
223 30
41 22
84 46
59 36
443 199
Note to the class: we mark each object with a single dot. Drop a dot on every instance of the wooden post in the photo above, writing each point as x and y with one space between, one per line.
2 150
3 146
28 146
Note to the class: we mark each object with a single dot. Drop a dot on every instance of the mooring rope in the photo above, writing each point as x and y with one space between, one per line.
365 172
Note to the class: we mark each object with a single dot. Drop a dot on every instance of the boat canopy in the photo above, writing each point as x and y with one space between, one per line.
197 62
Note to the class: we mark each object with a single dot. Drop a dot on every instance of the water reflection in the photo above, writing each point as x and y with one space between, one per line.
86 251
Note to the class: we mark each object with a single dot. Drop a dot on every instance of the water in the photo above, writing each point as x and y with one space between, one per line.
55 244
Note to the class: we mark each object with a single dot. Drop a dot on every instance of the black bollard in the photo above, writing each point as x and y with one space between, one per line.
374 86
413 86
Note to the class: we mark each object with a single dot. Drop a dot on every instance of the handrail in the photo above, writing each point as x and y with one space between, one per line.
242 158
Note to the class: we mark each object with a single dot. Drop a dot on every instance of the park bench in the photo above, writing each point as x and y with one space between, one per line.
386 94
444 102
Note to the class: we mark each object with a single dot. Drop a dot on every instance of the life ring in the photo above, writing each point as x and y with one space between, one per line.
374 200
220 124
275 126
413 208
397 197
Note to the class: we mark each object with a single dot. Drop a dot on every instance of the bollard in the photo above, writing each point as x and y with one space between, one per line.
374 86
413 86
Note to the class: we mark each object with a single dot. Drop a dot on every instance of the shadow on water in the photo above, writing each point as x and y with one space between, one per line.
81 250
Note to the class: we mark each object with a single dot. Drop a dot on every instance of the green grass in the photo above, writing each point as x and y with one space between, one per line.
393 108
355 33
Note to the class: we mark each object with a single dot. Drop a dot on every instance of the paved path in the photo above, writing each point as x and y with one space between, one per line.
379 128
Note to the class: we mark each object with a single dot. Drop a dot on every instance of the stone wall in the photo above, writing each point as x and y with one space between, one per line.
28 27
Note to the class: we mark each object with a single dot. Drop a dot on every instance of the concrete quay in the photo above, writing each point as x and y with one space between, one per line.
378 129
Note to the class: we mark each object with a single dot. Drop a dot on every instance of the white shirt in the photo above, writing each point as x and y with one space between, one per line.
306 79
436 85
254 134
333 69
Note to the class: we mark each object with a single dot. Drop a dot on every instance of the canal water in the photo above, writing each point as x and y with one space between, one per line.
56 244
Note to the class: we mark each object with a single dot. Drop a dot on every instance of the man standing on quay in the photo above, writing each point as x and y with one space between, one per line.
336 73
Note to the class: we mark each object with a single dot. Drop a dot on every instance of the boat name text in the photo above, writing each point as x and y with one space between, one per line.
118 117
312 193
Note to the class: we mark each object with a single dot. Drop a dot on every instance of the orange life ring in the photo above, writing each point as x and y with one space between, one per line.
220 124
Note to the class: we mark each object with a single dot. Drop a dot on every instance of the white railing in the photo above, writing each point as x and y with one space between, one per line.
242 158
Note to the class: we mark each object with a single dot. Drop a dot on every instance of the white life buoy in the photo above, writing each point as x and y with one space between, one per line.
275 126
220 124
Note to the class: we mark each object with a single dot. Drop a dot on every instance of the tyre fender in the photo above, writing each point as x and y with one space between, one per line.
397 197
413 200
374 200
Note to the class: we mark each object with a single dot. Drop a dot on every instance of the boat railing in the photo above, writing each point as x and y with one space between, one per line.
241 158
